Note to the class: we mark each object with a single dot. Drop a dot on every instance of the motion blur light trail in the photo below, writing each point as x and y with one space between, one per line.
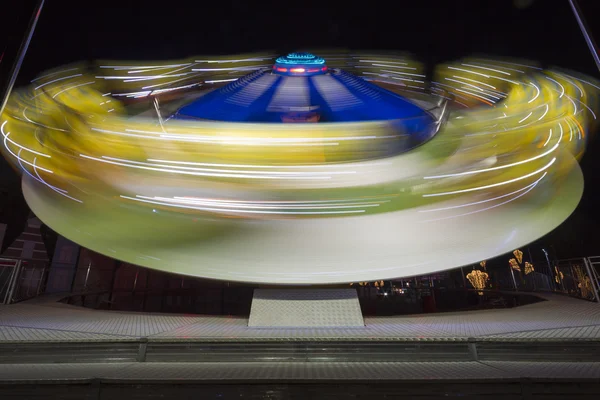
353 168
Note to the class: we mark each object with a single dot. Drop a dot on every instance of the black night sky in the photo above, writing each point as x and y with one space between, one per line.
434 31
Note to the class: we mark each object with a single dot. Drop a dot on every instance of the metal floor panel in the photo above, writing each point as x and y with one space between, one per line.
558 318
17 334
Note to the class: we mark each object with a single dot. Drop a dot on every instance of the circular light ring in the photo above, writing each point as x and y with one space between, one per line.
138 191
321 251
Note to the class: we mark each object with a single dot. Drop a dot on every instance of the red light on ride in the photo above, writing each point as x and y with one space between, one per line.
297 70
313 70
324 69
281 69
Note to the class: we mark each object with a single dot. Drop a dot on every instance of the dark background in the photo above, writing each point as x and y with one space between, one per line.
434 31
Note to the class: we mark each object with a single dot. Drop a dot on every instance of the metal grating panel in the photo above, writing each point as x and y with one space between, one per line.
305 308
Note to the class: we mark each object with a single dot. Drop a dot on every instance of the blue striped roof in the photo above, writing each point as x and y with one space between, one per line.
334 97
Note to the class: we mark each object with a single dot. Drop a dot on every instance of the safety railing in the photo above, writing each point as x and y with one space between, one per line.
21 279
9 269
576 277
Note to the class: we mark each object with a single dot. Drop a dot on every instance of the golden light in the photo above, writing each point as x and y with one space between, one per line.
519 256
514 264
478 279
528 268
559 275
483 264
584 285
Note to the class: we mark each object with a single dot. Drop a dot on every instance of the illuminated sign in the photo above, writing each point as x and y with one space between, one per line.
300 58
300 64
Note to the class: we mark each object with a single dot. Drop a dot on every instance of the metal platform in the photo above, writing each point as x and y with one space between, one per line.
305 308
44 319
45 341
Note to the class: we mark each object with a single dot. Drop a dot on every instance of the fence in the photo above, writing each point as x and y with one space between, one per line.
576 277
123 283
21 279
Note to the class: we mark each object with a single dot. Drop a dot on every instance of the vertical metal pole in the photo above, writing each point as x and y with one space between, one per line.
87 275
13 271
588 267
561 278
530 256
532 278
552 279
512 273
572 272
3 269
594 273
76 268
586 35
137 272
21 54
39 287
11 287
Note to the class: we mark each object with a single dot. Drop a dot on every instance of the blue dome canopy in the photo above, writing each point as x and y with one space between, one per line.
323 96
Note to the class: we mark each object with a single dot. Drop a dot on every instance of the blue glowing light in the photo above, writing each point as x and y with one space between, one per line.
300 64
300 59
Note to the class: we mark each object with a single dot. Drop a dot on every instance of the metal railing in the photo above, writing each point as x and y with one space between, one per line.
575 277
9 269
21 279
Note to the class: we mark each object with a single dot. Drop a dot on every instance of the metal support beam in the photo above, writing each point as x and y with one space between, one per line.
589 268
13 283
11 276
512 274
20 54
585 31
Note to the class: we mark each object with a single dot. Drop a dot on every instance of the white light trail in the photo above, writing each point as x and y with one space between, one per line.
72 87
493 184
6 138
194 173
545 112
549 137
484 201
486 68
56 80
527 116
562 88
501 166
221 210
491 207
536 95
